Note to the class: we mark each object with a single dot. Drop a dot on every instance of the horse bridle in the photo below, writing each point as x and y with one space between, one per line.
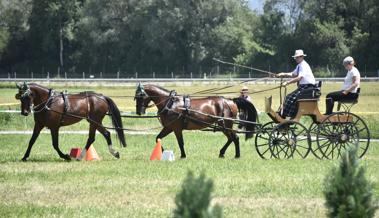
27 92
140 93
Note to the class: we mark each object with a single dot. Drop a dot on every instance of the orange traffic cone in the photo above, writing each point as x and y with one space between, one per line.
92 154
157 152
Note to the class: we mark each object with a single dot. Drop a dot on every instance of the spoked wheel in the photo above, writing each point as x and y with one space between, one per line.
314 146
290 140
262 139
341 130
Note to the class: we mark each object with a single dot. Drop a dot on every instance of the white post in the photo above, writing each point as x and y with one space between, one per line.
84 75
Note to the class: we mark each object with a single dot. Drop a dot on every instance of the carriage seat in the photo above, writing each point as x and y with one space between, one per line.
311 94
348 101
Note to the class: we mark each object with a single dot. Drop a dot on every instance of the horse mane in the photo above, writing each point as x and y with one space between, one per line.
158 87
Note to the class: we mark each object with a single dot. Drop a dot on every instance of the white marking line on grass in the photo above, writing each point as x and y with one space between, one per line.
27 132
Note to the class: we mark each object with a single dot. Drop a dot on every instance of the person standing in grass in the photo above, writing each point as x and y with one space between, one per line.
303 76
349 88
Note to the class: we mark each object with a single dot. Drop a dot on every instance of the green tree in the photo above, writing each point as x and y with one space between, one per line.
347 191
193 201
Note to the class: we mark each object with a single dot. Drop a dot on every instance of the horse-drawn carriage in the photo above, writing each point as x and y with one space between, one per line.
326 137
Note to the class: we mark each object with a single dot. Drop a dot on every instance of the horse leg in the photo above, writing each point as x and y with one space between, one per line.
54 136
37 129
179 137
107 136
236 141
164 132
223 149
90 140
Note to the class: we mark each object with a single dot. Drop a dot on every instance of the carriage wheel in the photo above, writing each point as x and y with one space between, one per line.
314 147
340 131
290 139
261 140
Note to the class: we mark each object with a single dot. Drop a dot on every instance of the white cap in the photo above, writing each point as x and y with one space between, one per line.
348 60
299 53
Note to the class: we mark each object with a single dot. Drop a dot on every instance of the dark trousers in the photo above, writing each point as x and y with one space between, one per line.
337 96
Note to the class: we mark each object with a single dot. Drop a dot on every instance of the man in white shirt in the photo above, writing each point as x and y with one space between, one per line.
303 76
349 87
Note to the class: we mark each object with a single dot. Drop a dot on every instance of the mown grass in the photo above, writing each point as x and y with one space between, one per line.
136 187
133 186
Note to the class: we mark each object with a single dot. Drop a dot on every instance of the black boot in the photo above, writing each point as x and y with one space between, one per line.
329 106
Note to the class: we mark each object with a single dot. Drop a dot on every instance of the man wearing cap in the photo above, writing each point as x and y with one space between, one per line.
349 88
303 76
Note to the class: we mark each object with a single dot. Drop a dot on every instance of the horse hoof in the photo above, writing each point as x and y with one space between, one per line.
67 157
237 157
221 156
117 155
24 159
183 157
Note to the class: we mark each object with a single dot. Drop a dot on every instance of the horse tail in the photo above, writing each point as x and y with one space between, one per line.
116 120
250 114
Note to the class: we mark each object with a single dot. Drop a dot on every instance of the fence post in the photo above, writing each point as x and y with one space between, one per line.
84 75
249 75
48 75
191 74
118 74
65 75
154 75
136 75
101 74
172 75
15 75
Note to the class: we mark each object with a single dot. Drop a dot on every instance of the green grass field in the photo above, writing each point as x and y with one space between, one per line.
133 186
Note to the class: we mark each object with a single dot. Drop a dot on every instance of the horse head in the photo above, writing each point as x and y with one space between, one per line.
25 96
142 99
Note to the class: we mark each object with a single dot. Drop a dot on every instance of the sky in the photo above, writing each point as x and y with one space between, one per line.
256 4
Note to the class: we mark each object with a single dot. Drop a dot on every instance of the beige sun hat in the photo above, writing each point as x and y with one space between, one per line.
299 53
244 89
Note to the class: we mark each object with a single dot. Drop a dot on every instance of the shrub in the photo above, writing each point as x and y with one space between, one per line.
194 200
348 193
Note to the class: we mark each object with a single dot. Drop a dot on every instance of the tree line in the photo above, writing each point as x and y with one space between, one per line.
185 35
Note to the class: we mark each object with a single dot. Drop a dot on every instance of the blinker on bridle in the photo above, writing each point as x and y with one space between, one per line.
25 91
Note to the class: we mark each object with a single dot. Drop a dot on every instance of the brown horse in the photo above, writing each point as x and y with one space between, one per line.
178 113
53 110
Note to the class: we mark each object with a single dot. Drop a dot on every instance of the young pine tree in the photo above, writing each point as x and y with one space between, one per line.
347 191
193 201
